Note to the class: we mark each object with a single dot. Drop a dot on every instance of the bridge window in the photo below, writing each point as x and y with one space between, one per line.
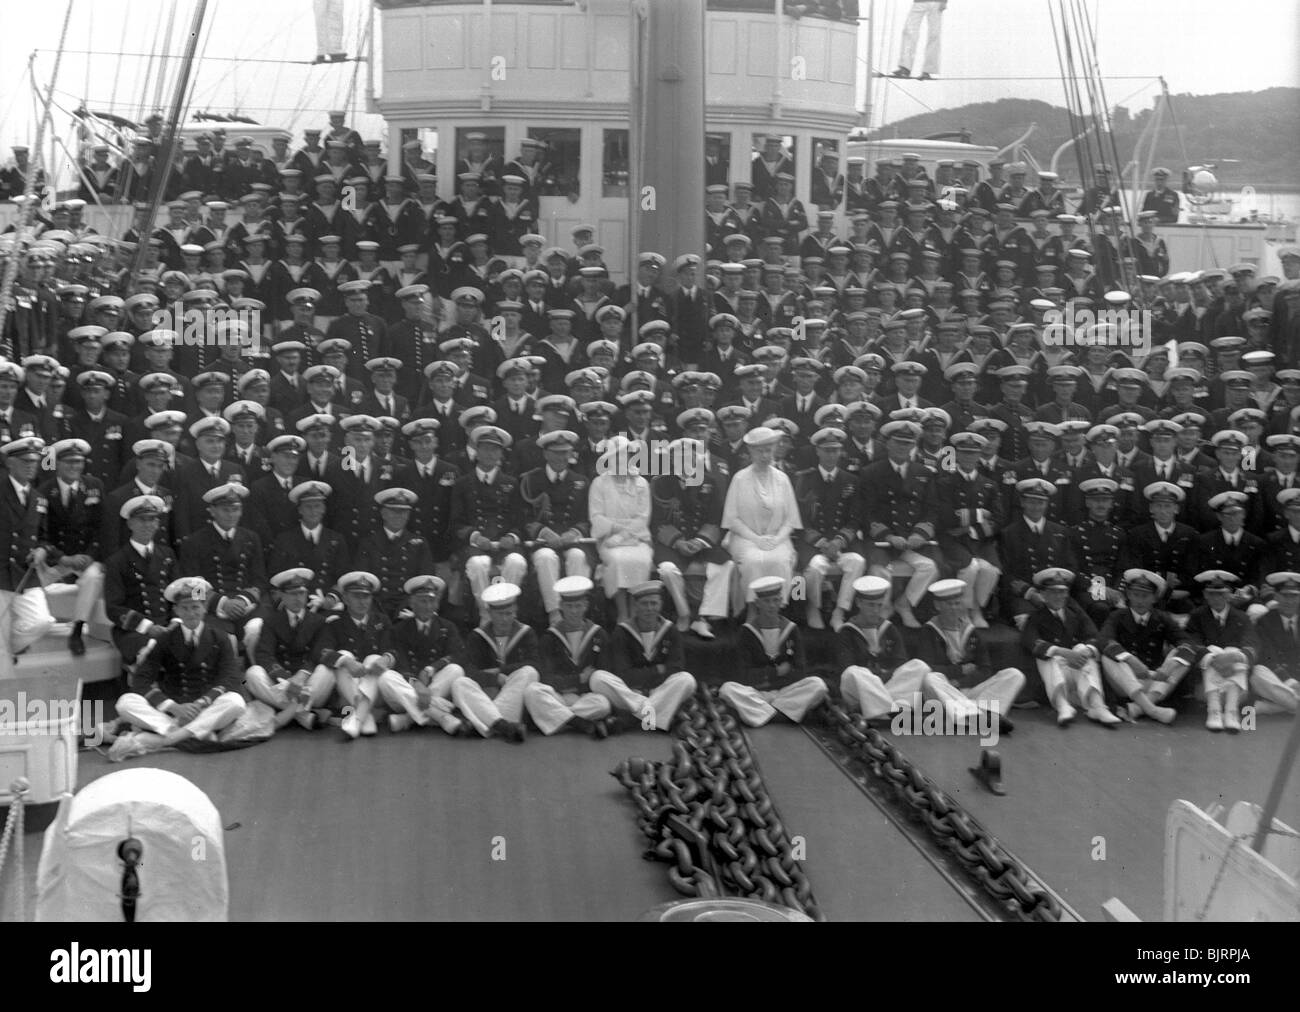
771 154
614 167
827 189
563 155
835 10
717 159
481 149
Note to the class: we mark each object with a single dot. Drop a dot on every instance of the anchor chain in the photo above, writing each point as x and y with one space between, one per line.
707 814
1000 874
12 836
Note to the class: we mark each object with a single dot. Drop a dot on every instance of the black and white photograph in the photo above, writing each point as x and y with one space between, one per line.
632 461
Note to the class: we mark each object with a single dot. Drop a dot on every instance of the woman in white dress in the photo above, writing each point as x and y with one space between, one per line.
619 508
760 515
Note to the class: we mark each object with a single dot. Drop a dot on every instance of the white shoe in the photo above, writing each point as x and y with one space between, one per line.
702 629
351 726
1103 716
1214 721
368 726
1231 721
1065 714
399 722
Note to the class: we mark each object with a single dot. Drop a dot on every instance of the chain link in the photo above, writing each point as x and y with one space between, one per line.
1001 875
707 814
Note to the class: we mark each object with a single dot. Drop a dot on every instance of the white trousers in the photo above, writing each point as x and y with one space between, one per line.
849 566
551 709
319 685
24 619
717 586
919 569
625 566
981 578
399 694
484 709
478 570
997 692
1268 687
754 562
1077 684
660 706
864 690
546 561
1121 677
930 12
756 708
224 711
90 590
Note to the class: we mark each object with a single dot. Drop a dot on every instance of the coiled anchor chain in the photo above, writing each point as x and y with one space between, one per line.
1001 875
708 815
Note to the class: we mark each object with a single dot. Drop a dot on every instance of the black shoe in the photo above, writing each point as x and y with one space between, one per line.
989 772
924 77
901 72
508 731
580 724
76 645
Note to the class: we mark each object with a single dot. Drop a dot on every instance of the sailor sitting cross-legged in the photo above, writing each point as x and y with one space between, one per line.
357 646
572 650
958 657
429 654
187 685
1060 634
502 661
284 673
876 676
772 659
647 679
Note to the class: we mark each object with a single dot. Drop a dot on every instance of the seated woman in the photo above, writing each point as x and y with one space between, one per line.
619 508
760 514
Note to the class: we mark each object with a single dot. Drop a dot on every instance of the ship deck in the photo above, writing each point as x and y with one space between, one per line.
420 826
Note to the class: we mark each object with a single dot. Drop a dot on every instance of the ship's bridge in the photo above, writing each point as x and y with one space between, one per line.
557 71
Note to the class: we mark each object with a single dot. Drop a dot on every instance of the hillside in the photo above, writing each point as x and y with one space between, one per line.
1260 128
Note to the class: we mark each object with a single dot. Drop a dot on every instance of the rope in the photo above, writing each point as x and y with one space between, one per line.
29 205
13 835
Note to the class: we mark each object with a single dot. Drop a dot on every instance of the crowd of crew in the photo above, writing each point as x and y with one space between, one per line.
405 405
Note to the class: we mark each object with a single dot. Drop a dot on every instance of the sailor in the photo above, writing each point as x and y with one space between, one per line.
1161 199
876 677
69 537
646 680
501 662
186 686
572 650
285 674
485 516
429 652
24 614
958 657
771 661
1061 637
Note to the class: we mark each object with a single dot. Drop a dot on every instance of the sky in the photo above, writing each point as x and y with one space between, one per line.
1197 45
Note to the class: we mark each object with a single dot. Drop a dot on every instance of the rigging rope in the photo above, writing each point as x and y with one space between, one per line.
24 223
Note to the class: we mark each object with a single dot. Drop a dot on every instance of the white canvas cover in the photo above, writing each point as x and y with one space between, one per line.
183 867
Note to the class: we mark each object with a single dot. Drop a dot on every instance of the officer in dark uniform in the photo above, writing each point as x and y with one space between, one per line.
393 553
413 340
355 480
1043 438
197 477
899 503
1282 552
284 673
1163 545
232 555
1275 679
357 646
486 514
136 575
970 514
70 527
428 651
152 457
271 512
1029 544
1231 548
830 543
308 544
102 428
1098 544
1164 201
554 511
431 478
